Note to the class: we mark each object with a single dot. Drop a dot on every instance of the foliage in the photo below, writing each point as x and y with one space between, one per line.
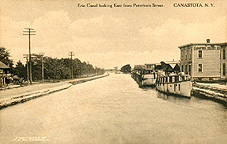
20 70
56 69
5 58
126 68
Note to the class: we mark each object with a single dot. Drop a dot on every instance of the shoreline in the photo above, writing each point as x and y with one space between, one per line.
211 93
16 99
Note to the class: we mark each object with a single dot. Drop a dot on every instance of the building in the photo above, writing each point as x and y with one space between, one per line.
168 66
4 72
139 67
205 61
223 60
150 67
173 64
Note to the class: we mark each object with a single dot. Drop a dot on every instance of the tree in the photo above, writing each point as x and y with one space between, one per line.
126 68
36 67
99 71
20 70
77 67
5 58
57 69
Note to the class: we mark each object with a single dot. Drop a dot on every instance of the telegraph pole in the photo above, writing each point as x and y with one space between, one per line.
71 55
42 54
29 32
26 56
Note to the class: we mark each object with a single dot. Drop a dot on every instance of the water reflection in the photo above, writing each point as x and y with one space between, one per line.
167 97
171 97
195 99
147 88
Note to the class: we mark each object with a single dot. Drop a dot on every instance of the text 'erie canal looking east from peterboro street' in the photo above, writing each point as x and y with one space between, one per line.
115 110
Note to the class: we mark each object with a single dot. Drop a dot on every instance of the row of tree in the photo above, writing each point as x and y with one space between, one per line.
54 68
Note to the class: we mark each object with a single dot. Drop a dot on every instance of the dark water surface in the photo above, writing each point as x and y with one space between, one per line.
114 110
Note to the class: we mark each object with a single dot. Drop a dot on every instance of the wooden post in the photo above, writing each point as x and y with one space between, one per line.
71 55
29 33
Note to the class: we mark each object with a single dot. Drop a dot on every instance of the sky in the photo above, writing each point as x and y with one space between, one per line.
109 37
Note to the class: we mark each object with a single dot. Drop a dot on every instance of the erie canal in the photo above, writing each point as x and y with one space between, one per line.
114 110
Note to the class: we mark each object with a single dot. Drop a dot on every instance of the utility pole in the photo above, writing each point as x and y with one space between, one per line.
88 68
26 56
71 55
29 32
42 54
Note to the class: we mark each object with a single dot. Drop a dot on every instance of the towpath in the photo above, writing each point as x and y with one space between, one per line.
17 94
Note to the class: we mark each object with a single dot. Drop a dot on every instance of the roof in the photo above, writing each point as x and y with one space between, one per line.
168 68
158 67
172 62
150 64
3 66
172 65
224 44
190 44
139 67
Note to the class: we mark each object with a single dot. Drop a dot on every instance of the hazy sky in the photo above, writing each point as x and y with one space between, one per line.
109 37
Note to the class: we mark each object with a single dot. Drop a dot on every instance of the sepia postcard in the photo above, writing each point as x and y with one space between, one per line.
113 71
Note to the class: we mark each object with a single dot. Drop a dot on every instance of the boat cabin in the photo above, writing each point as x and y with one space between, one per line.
172 79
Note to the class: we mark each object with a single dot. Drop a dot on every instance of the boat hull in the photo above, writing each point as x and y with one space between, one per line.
178 88
148 82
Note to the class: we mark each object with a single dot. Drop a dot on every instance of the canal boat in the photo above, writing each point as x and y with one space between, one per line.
136 75
148 78
144 76
178 84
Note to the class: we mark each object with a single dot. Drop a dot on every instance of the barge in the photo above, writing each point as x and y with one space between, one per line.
148 78
145 77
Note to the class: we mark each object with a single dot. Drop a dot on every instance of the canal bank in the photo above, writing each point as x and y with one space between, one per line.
16 95
215 92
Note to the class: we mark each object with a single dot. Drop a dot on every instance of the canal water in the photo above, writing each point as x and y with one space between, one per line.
114 110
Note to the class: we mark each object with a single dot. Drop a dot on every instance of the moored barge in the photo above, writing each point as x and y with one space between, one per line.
144 76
